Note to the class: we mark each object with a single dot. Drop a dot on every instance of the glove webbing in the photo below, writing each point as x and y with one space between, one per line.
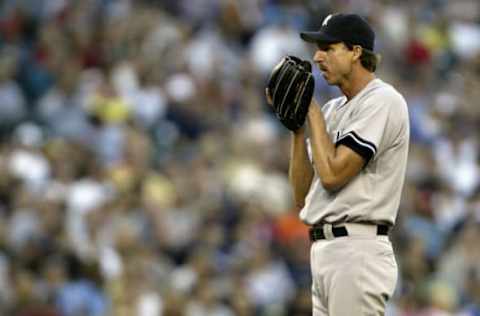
301 91
287 68
282 74
286 94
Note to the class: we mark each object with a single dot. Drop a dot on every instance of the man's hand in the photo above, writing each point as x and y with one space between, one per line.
290 90
269 98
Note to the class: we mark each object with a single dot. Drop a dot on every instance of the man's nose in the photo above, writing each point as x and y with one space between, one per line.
319 56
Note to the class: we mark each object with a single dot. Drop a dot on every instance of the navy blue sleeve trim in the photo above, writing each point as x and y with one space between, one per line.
359 145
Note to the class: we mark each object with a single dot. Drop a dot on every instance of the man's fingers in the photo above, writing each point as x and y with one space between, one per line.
267 94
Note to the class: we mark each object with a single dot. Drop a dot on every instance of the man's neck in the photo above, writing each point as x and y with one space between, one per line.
358 80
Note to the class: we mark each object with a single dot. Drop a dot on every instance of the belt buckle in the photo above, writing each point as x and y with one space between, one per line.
327 231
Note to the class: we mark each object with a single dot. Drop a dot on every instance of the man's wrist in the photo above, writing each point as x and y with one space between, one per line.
300 131
313 108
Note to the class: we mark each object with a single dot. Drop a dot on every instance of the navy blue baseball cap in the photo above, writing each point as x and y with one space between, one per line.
347 28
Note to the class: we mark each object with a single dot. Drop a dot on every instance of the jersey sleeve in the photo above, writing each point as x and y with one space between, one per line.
366 130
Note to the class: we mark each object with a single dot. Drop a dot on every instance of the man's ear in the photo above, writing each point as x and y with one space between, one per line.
357 52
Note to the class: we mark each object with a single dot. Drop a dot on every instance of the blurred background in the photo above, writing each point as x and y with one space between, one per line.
142 173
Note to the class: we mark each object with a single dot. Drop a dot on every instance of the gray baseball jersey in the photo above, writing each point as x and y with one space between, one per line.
375 125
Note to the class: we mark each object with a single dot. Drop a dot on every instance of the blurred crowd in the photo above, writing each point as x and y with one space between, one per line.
143 174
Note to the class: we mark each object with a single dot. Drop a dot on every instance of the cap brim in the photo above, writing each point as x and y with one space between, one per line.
318 37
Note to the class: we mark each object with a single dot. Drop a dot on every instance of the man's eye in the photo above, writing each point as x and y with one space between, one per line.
325 48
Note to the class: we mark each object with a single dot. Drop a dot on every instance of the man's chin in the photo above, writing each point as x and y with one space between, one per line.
329 81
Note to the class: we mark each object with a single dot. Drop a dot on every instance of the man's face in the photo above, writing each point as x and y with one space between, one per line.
334 61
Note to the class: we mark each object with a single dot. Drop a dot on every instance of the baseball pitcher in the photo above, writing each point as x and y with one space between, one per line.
347 170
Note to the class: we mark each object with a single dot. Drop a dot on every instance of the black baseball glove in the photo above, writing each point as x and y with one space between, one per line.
290 88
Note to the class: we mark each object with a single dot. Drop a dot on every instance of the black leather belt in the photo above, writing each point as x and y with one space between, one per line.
316 232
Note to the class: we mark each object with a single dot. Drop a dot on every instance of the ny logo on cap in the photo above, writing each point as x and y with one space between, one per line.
325 21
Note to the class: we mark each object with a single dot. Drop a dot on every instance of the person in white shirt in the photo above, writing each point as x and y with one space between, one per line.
347 174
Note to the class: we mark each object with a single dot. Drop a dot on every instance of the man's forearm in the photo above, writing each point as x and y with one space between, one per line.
323 149
335 166
300 169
